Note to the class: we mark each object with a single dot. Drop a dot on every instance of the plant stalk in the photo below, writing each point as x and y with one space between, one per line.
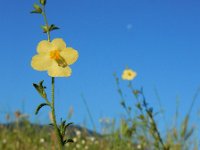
56 128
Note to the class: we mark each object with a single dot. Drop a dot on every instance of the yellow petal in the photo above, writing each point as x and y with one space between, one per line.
57 71
58 44
43 47
70 55
41 62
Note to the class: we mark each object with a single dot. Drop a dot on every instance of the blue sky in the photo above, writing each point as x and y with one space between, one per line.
156 38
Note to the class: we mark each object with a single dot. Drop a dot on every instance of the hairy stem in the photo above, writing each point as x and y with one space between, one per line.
56 128
46 22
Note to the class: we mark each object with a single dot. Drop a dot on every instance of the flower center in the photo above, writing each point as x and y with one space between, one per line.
129 74
55 55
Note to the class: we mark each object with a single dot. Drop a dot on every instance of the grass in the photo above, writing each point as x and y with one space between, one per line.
138 130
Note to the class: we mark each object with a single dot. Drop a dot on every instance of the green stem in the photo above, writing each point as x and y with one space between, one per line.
46 22
122 98
89 113
56 129
156 133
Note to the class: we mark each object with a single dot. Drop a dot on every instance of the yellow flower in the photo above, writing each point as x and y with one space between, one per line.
128 74
54 57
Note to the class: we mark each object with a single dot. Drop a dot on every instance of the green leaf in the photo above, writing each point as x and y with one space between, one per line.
67 125
62 127
141 117
43 2
145 104
49 28
123 103
45 28
34 12
184 126
189 134
41 89
53 27
37 9
64 142
69 141
40 106
136 93
138 105
63 123
150 110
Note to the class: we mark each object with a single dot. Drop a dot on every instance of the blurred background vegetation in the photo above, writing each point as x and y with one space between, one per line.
137 129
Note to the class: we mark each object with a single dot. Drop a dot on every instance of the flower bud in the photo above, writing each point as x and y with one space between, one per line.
43 2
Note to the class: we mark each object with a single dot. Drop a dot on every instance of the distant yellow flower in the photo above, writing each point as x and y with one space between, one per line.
54 57
128 74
